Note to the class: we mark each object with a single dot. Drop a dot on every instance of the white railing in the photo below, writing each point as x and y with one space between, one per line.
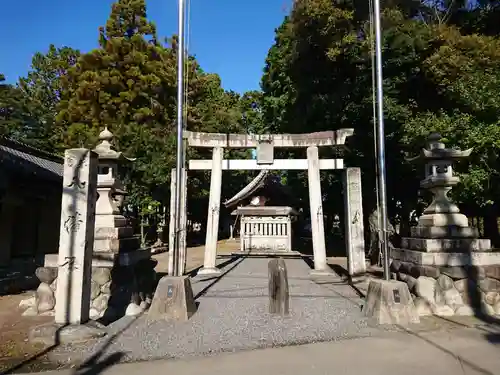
266 233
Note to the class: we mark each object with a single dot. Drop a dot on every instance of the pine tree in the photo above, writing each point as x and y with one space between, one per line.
128 84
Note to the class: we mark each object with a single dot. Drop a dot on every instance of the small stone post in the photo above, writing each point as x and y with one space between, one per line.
355 239
316 206
76 236
213 214
279 299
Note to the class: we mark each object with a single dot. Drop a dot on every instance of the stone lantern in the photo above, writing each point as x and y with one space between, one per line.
448 269
442 218
112 232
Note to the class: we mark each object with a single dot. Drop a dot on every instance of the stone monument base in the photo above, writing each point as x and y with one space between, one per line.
56 334
121 284
173 299
447 284
389 302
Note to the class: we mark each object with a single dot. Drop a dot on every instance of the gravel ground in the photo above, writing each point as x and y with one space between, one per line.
233 316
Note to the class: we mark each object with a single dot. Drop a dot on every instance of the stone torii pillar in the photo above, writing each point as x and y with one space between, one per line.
213 214
316 207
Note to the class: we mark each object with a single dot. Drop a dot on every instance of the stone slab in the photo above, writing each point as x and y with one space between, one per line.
114 233
325 138
443 232
117 245
390 302
56 334
446 258
457 245
277 164
173 299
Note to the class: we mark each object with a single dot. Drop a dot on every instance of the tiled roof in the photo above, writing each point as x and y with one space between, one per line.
14 154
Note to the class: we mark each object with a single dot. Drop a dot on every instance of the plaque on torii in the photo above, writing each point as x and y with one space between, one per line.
265 151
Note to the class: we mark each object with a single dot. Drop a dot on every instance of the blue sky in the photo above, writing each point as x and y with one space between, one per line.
229 37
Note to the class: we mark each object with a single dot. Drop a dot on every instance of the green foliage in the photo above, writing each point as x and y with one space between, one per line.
42 88
318 76
16 113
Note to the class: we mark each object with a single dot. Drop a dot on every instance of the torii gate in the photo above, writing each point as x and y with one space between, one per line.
265 145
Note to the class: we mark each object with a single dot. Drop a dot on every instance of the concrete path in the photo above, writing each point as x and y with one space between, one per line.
233 316
460 351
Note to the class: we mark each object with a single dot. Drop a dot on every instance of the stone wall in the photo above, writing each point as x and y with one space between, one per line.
115 291
448 291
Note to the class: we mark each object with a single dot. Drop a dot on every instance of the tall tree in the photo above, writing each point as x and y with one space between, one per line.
42 88
318 76
16 119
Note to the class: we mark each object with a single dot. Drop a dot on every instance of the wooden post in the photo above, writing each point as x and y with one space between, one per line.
279 298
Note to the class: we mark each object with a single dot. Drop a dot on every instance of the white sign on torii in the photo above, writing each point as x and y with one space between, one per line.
265 145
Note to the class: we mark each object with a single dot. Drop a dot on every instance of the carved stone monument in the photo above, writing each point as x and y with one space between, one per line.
76 236
73 294
355 241
447 267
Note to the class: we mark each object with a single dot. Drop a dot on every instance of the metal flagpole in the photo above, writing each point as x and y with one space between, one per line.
381 139
180 138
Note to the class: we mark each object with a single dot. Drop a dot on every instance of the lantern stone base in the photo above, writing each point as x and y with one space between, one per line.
430 245
121 284
450 283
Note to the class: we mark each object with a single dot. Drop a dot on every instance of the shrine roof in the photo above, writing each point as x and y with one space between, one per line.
248 190
15 154
265 211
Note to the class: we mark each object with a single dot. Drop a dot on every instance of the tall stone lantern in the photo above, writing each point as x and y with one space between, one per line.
442 218
112 232
447 267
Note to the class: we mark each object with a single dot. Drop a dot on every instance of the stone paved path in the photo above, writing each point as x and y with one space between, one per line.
463 351
233 316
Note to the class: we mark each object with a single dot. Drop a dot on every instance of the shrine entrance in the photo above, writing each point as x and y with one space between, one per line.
265 145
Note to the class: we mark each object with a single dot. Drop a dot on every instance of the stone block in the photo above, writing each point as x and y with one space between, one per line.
390 302
458 245
454 219
429 271
117 245
395 266
46 274
173 299
444 232
279 298
456 273
492 271
446 259
57 334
